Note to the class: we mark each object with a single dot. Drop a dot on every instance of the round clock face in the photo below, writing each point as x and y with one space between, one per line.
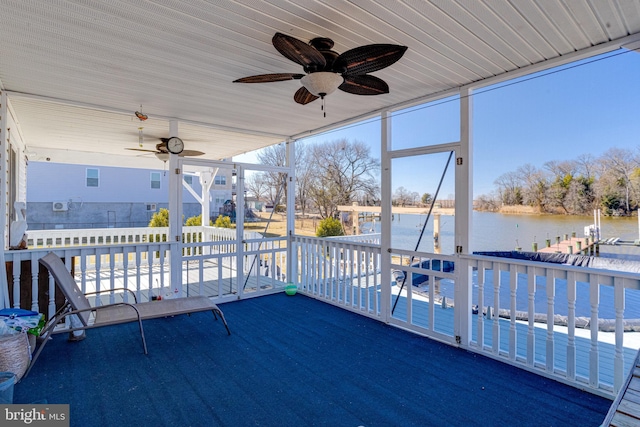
175 145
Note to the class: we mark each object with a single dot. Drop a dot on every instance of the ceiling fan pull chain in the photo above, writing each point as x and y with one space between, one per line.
324 111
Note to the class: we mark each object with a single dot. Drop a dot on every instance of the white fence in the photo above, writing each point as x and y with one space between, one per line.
522 313
213 263
564 322
118 236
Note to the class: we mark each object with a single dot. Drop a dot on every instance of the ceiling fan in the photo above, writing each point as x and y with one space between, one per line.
162 152
327 70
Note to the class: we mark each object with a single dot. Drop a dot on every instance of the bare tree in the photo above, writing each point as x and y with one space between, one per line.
275 155
256 185
304 178
509 188
534 185
343 171
401 197
619 169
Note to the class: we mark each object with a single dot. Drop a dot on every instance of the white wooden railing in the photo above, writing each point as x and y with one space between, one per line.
511 299
141 268
114 236
556 351
373 238
593 355
210 257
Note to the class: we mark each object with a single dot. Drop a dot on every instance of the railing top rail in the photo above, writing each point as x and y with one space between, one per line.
103 249
409 253
630 277
300 239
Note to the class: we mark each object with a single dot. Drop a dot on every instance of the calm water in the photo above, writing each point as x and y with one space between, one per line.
498 232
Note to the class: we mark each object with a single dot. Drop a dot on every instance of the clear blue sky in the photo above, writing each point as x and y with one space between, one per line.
558 114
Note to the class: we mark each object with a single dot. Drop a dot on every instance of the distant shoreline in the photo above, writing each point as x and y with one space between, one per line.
532 210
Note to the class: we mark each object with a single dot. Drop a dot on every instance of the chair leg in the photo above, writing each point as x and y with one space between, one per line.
144 341
45 338
217 310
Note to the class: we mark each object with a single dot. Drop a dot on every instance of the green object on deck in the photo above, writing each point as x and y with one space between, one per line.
290 289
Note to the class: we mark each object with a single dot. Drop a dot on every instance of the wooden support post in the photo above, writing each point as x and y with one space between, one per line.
436 234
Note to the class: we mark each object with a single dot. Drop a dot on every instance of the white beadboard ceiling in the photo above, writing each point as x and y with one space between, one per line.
76 70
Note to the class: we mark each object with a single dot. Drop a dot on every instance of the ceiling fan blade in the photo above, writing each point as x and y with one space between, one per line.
266 78
141 149
299 52
190 153
367 59
303 96
364 85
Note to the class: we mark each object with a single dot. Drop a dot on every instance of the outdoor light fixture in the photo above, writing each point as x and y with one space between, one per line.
322 83
162 156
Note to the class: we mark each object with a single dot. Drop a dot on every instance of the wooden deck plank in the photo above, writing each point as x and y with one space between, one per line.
624 420
635 384
630 408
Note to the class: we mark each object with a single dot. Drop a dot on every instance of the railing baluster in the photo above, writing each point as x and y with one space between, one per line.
551 293
531 312
98 264
35 267
481 268
83 271
17 273
513 333
112 271
125 272
594 301
571 326
618 363
497 281
138 265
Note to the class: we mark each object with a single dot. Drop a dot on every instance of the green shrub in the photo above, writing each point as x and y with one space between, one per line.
195 221
160 218
329 227
223 222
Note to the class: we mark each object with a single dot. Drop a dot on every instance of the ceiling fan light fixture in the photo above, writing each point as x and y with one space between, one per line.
322 83
162 156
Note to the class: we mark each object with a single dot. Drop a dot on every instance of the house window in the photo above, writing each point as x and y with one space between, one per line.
220 180
189 179
155 179
93 177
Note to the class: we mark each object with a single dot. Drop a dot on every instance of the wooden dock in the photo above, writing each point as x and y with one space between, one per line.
572 245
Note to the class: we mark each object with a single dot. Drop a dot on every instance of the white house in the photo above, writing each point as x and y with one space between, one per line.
103 196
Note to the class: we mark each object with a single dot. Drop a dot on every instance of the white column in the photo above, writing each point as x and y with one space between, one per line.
206 180
463 223
240 228
385 216
4 111
175 215
291 206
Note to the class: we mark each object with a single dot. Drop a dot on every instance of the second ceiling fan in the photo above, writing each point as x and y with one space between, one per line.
326 70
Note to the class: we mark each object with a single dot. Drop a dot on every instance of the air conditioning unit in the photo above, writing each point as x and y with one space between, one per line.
152 207
60 206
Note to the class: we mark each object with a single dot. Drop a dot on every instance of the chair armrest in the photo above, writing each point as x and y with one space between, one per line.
114 289
98 307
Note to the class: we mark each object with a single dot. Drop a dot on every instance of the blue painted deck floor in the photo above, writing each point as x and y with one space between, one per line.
291 361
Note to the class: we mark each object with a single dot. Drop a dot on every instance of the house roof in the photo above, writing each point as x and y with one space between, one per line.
76 72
